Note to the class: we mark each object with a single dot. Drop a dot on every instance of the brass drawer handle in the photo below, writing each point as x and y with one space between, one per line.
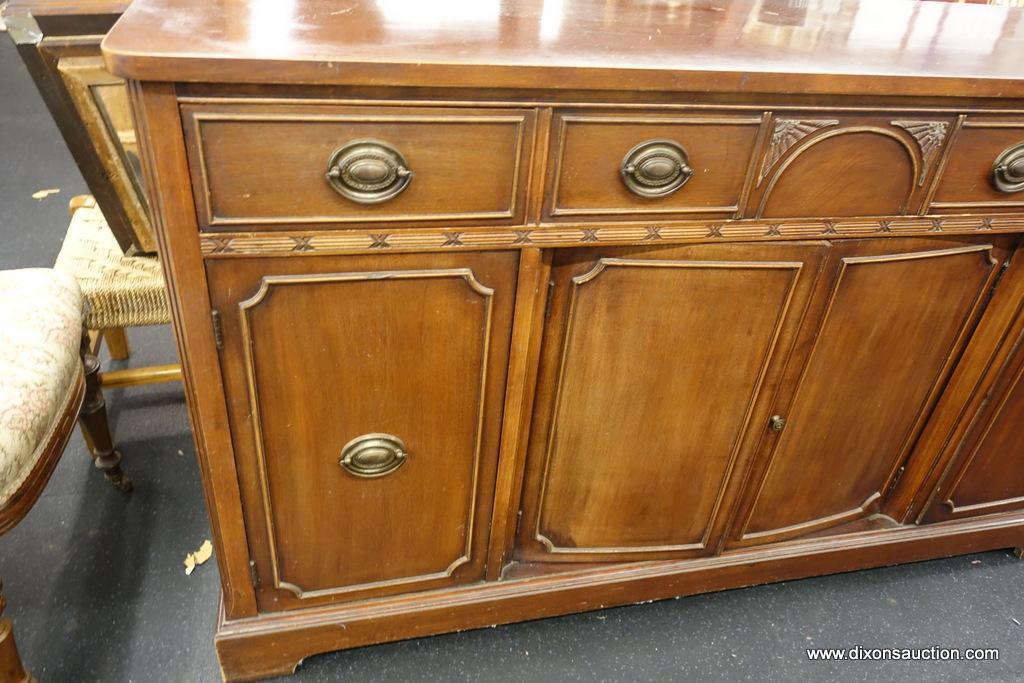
368 171
777 423
655 168
373 455
1008 169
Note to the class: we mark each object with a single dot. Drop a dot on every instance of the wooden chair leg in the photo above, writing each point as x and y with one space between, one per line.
93 420
117 343
11 668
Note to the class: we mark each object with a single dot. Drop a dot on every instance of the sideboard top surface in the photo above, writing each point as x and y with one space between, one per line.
66 7
871 47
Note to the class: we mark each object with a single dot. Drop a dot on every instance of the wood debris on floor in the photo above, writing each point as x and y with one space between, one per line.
193 560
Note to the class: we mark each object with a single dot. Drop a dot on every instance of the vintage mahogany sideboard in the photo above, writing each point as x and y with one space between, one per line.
506 309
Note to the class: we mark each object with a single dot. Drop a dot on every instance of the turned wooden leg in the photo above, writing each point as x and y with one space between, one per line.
117 343
93 420
11 668
1019 552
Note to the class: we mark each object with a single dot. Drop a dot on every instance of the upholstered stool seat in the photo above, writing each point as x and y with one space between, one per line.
40 367
120 291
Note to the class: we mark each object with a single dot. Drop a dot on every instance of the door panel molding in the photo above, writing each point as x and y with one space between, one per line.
245 308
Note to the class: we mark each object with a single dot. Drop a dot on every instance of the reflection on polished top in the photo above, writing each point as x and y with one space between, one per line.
798 46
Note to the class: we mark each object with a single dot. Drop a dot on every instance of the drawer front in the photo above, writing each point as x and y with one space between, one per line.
267 166
968 181
365 397
845 164
616 165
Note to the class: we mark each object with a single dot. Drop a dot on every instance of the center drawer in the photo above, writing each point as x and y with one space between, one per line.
627 165
268 166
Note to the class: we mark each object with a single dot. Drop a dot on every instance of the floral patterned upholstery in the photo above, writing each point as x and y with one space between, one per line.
40 333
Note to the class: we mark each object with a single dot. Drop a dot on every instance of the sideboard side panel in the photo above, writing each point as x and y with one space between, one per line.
162 146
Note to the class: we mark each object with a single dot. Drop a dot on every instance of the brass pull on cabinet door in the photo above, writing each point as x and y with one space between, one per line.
655 168
777 423
1008 169
368 171
373 455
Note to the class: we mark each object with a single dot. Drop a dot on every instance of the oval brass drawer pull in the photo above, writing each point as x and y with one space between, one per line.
655 168
368 171
373 455
1008 169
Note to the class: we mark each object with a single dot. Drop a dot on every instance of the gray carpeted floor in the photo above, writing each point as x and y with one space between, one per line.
98 593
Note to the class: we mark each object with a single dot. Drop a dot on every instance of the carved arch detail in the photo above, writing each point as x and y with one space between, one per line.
929 136
788 132
915 154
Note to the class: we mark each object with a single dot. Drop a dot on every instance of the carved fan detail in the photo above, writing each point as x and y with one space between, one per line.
787 133
929 136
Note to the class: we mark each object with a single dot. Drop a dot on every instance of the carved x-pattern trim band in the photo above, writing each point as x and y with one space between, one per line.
345 241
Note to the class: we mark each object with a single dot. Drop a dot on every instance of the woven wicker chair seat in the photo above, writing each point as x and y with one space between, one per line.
119 290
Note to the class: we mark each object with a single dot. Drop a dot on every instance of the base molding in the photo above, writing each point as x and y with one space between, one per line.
276 643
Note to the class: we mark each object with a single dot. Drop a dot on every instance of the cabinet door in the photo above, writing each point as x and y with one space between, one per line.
654 363
987 475
896 316
365 398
